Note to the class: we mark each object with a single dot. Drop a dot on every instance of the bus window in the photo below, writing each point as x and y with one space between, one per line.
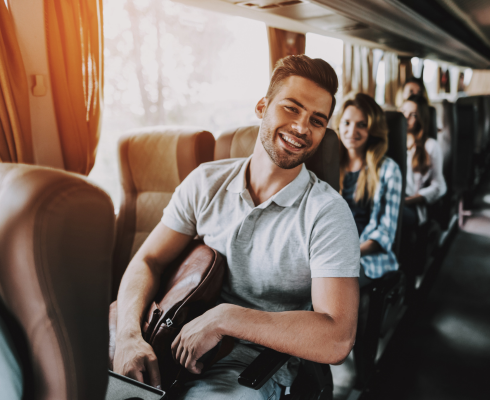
329 49
194 67
380 84
430 78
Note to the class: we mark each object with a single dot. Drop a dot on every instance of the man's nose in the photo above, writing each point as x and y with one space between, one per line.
300 124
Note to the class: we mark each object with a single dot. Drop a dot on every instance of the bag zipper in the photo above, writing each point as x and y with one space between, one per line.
157 313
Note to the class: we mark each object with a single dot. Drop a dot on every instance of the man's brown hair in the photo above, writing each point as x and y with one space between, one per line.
314 69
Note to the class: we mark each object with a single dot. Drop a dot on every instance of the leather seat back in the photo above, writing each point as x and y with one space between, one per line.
432 122
467 117
240 142
56 242
485 124
152 163
446 139
397 150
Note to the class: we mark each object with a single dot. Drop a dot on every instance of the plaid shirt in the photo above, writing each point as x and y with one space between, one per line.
383 221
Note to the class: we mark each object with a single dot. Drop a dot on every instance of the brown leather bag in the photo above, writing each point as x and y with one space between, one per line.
189 287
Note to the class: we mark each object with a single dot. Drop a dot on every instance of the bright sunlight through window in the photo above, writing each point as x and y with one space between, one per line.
331 50
170 64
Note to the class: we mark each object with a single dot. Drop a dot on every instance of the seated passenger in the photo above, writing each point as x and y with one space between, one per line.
370 183
414 86
425 182
289 239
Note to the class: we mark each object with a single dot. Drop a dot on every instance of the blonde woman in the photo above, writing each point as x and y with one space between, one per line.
370 182
425 181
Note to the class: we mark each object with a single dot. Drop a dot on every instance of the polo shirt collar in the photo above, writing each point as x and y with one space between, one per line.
286 197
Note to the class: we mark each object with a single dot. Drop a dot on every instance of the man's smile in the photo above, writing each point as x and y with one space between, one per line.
292 142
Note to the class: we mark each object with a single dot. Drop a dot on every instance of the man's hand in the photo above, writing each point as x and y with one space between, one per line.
133 357
196 338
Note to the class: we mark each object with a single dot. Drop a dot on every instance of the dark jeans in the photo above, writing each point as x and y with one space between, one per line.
363 278
410 218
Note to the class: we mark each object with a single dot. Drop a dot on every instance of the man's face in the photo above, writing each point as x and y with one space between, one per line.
294 121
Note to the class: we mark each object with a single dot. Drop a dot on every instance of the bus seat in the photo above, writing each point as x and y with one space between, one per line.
382 299
432 122
152 163
464 141
443 209
446 137
397 150
56 242
485 131
240 142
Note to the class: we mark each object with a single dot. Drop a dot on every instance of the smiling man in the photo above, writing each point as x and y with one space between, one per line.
289 239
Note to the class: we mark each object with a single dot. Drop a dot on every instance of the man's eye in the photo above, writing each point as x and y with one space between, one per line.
316 122
291 109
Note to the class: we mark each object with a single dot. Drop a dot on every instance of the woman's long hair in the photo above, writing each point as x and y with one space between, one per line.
420 82
421 159
423 91
377 144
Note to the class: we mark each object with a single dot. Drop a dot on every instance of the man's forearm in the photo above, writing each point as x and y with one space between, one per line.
142 278
306 334
138 287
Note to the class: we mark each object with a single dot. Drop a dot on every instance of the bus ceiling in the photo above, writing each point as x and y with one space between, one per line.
455 31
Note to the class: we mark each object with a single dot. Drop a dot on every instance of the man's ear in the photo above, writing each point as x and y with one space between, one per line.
261 107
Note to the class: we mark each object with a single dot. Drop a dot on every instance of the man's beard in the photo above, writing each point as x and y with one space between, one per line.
282 157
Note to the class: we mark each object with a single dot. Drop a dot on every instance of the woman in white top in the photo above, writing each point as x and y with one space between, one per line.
425 182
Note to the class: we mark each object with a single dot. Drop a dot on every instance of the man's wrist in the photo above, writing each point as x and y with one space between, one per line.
225 315
128 333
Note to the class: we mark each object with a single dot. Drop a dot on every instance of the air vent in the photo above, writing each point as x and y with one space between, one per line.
268 4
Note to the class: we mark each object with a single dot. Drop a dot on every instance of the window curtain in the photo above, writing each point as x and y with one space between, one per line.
360 67
392 80
405 69
15 120
479 84
75 52
284 43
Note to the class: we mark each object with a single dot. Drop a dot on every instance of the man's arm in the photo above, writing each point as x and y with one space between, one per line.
139 285
325 335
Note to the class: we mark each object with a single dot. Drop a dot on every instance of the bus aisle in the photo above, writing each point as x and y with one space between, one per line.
442 348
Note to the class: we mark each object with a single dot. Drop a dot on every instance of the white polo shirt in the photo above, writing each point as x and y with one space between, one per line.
273 250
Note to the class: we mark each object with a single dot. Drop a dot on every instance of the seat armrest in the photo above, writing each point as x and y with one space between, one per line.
260 370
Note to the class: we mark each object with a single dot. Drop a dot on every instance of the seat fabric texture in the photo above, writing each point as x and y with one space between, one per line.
152 163
56 242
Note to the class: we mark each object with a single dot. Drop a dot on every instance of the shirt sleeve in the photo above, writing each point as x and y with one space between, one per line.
389 207
334 243
181 212
437 187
